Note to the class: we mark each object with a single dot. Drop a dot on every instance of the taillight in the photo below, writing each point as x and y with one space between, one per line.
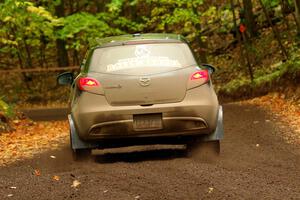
86 83
198 78
202 74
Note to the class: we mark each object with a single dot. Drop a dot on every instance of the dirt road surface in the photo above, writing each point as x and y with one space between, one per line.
255 163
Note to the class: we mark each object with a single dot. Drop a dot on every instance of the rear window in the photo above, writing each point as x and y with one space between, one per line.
119 59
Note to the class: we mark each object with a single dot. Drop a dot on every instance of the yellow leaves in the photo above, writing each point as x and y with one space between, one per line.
8 42
7 19
287 112
75 184
41 11
37 172
16 122
3 106
22 3
56 178
57 22
31 138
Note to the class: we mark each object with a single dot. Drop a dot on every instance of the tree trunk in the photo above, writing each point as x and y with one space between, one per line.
75 58
202 44
238 35
203 49
28 54
246 54
234 22
275 31
62 54
249 18
284 10
293 14
61 51
297 14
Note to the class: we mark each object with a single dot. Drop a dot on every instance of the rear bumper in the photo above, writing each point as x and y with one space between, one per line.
78 143
171 126
196 114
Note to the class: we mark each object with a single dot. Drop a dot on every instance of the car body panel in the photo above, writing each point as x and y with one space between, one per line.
143 103
199 103
78 143
167 87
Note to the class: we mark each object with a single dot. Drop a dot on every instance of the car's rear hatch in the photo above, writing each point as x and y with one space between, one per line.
165 87
143 74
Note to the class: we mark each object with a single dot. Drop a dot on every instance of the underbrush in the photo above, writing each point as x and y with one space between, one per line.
272 72
33 89
6 115
281 79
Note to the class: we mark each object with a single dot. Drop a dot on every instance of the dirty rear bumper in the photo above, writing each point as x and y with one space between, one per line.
177 138
95 119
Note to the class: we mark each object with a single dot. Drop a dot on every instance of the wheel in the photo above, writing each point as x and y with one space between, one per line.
81 154
204 150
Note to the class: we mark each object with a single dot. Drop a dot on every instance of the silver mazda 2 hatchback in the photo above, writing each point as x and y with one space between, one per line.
142 89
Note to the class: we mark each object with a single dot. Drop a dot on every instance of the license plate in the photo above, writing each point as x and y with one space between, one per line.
147 122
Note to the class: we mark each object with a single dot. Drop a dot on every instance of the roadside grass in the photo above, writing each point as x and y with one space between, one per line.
278 77
281 75
7 113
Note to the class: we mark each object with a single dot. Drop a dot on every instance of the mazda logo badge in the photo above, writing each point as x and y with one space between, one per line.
145 81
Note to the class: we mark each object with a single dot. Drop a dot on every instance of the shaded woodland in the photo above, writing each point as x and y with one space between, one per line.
254 44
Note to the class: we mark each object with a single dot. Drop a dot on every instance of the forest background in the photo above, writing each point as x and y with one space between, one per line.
254 44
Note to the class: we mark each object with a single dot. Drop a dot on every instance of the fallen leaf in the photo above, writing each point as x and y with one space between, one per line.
75 183
137 197
56 178
105 191
37 172
285 113
10 195
25 141
16 121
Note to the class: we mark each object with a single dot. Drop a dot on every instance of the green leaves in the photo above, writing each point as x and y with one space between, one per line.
81 27
271 3
115 6
6 109
82 23
23 25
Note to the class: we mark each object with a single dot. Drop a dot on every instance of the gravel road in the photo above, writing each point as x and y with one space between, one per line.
255 163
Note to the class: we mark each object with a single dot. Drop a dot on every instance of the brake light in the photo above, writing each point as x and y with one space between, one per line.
202 74
198 78
86 82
